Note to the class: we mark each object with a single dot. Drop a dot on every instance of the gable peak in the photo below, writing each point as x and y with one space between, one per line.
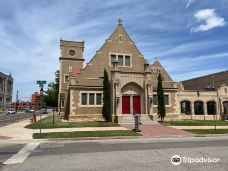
157 64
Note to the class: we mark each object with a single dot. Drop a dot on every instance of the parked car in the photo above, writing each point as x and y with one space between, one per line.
31 110
11 111
27 110
44 111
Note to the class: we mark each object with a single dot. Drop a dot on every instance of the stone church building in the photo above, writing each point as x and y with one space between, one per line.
133 85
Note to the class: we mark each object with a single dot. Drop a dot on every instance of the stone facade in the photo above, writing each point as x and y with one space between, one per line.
133 84
6 91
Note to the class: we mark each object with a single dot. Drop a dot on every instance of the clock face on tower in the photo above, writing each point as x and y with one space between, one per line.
72 52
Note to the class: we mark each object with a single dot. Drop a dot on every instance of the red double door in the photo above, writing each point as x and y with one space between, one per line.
126 104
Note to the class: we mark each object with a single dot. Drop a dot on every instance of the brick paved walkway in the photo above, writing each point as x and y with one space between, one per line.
4 137
160 131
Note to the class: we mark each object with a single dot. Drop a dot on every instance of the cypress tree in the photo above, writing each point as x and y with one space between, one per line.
106 110
160 97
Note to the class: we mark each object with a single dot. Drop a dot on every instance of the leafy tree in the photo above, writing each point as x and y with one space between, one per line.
106 110
161 100
51 95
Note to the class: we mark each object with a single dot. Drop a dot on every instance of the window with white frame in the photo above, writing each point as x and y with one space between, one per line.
70 68
155 99
123 59
91 99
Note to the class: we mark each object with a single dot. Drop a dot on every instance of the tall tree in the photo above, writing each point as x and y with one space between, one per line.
51 95
106 110
161 99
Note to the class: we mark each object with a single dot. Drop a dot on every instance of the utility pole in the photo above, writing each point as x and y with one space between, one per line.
4 89
16 101
41 84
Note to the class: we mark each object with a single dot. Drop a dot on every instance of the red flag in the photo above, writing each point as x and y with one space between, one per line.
75 72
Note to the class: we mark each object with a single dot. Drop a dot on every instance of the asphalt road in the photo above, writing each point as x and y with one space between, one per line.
134 154
12 118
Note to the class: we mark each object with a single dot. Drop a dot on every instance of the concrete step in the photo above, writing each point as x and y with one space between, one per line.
130 120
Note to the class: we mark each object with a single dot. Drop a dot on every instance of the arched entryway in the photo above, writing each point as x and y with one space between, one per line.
131 98
186 107
198 107
211 108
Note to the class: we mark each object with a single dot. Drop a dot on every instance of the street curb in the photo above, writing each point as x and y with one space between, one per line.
214 135
127 137
115 137
94 138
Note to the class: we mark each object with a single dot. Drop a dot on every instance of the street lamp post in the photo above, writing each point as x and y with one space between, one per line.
214 116
41 84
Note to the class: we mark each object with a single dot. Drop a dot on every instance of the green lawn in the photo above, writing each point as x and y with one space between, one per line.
208 131
189 122
46 123
84 134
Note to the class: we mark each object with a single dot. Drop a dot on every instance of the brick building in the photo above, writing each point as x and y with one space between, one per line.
35 98
25 105
133 84
34 104
6 91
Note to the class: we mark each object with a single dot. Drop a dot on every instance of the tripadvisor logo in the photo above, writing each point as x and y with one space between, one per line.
176 160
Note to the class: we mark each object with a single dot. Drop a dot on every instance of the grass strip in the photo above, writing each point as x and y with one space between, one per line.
189 122
84 134
207 131
47 123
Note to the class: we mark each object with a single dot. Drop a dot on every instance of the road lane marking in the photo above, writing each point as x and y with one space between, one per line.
22 154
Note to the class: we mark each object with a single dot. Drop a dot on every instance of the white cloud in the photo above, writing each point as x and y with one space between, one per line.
211 19
189 48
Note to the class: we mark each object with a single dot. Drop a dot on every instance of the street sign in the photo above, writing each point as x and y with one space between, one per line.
41 82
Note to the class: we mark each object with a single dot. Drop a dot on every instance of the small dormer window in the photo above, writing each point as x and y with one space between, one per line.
120 37
72 52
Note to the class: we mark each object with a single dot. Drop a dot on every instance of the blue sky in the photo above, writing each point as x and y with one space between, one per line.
189 37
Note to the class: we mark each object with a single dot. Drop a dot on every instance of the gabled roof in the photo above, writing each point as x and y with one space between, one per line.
118 42
156 66
200 83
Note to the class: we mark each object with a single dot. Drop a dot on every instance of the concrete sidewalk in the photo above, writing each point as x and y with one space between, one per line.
80 129
199 127
16 131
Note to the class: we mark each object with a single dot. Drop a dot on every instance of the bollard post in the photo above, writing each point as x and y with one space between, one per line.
136 117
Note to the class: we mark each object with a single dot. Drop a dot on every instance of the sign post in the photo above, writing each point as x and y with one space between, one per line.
41 84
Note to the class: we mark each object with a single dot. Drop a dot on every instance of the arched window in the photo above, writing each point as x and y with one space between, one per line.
211 108
198 106
186 107
225 107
